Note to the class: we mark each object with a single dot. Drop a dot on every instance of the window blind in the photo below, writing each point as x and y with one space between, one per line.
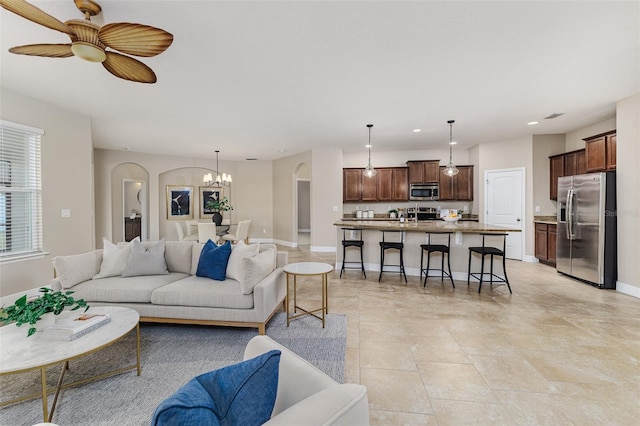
20 191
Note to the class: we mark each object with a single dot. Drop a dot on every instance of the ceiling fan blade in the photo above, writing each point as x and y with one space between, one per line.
135 39
47 50
32 13
128 68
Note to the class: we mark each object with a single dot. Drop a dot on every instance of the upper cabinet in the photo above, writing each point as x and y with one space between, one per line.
389 184
556 170
458 187
601 152
424 171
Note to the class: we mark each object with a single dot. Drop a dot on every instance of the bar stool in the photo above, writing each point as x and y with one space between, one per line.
489 251
354 240
436 248
392 245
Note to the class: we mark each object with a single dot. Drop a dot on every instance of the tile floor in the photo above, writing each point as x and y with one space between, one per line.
556 352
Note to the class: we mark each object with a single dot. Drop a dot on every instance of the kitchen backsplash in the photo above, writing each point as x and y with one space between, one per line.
384 207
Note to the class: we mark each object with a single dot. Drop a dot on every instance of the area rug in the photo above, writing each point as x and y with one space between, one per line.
170 355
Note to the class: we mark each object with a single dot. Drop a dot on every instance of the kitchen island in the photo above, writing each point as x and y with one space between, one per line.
465 234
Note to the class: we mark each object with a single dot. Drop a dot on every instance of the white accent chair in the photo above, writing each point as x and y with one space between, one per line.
182 236
306 395
207 231
242 232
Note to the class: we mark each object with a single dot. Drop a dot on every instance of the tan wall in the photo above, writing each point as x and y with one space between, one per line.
628 182
574 140
509 154
544 146
254 197
284 207
326 198
400 158
67 183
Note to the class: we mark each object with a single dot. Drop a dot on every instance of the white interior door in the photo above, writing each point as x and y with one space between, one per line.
504 202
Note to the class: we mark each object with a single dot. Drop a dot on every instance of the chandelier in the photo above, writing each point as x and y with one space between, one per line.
220 180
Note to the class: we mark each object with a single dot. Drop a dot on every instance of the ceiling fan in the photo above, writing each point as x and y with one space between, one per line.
89 41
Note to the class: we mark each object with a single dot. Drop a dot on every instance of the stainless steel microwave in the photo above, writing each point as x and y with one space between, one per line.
423 191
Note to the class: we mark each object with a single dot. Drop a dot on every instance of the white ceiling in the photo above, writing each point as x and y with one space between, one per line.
270 79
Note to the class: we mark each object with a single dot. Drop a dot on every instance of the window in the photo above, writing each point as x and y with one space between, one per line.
20 191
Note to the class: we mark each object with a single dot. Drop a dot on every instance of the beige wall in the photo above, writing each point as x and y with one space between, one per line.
544 146
508 154
628 204
400 158
67 183
574 140
284 207
326 198
254 197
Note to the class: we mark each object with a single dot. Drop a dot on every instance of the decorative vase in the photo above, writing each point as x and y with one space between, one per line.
217 218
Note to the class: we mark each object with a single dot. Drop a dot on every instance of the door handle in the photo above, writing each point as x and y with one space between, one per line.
518 220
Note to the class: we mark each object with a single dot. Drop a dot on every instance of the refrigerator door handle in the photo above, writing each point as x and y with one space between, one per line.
570 214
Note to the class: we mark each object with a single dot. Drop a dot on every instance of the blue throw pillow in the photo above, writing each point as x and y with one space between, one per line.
213 261
240 394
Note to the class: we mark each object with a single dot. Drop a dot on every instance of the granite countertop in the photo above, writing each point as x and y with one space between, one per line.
425 226
549 220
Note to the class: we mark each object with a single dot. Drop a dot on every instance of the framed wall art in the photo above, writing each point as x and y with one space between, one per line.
179 202
208 193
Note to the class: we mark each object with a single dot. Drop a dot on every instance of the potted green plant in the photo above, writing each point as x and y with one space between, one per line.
31 311
393 213
218 205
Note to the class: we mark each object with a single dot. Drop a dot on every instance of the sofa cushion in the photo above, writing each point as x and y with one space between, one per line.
213 260
146 261
239 252
177 254
254 269
114 258
122 290
242 393
74 269
199 291
265 247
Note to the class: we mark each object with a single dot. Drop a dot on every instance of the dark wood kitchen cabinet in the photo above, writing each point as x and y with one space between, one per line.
567 164
389 184
545 243
601 152
351 185
458 187
424 171
556 170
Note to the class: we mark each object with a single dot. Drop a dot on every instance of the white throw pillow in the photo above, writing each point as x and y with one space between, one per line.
146 261
114 258
74 269
239 252
254 269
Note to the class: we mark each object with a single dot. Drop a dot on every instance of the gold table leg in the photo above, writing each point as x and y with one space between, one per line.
45 404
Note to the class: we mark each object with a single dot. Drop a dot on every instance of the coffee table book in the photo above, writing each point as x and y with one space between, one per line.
76 325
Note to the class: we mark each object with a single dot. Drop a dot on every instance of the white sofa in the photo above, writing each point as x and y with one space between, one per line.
179 296
306 395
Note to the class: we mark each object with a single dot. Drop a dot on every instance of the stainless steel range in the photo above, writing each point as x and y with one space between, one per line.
423 213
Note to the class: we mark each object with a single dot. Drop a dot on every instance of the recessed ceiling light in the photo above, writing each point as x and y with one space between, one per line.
453 143
532 123
417 130
282 150
367 146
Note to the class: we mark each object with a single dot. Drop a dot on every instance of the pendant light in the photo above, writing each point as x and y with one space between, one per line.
451 169
369 171
224 180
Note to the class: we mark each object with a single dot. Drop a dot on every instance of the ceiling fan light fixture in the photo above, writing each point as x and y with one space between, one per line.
88 51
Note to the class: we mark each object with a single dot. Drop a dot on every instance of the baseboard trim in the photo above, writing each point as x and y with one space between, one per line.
628 289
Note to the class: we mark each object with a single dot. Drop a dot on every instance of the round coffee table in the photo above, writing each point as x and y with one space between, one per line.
19 353
308 269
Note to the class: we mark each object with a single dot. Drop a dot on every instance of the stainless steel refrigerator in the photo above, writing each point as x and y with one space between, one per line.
586 242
